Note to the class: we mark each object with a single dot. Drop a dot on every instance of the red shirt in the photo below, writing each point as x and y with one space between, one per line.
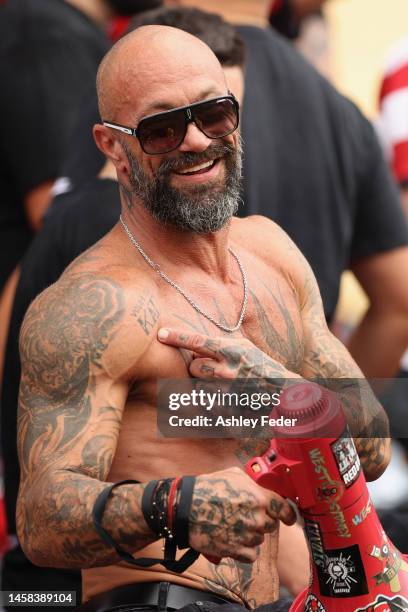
393 122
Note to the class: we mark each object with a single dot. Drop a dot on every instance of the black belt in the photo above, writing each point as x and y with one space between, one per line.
161 595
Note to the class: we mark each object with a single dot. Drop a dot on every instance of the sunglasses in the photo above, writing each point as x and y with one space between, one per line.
164 132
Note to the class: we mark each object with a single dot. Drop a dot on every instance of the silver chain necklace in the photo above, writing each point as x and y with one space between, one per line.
196 307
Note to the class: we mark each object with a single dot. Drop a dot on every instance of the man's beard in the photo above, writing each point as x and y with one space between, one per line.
202 208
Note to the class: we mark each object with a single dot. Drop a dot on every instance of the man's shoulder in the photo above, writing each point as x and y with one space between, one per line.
267 235
95 305
100 269
270 243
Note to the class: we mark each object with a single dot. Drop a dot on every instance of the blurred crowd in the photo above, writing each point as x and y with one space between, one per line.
336 183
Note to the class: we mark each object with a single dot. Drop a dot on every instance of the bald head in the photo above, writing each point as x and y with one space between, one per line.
150 62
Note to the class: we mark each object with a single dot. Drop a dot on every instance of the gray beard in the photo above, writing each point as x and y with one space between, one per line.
204 208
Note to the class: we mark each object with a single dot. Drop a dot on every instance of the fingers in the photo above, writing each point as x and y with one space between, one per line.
279 508
198 343
249 552
256 539
204 367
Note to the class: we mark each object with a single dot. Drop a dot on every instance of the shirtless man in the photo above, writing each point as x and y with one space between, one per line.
91 354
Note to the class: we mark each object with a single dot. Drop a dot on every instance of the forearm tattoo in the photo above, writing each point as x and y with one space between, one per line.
329 361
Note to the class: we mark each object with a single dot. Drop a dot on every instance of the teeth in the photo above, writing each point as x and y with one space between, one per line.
196 168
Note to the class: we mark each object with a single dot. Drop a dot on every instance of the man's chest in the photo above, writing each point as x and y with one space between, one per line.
272 322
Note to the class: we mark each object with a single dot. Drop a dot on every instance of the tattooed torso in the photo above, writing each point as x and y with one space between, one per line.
91 360
273 323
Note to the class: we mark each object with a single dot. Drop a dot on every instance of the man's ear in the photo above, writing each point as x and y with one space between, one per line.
111 147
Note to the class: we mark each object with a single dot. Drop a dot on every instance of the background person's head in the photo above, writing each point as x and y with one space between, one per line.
131 7
154 69
237 11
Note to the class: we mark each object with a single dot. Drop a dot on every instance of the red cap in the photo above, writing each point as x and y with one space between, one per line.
317 411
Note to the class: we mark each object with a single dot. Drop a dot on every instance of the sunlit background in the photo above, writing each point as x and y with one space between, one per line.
361 33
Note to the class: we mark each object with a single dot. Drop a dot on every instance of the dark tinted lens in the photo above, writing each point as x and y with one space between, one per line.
162 133
216 119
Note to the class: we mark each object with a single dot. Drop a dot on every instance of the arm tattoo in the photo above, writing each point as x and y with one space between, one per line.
58 349
63 455
323 359
329 363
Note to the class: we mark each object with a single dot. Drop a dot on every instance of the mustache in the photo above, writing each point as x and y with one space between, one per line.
194 159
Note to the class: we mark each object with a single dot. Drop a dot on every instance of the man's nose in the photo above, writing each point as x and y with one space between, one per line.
194 140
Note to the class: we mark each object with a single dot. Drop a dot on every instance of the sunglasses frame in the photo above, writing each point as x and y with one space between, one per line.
189 118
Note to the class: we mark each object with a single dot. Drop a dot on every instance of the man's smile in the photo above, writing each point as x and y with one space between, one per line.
198 173
200 168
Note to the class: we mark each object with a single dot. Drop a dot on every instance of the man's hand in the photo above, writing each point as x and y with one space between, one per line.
325 358
230 515
225 358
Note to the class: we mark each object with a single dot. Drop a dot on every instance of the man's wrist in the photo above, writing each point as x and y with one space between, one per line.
166 507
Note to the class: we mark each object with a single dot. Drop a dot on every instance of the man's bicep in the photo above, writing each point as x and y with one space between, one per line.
69 406
323 354
79 432
79 435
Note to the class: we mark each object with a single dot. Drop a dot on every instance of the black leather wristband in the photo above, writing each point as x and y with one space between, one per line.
147 501
169 563
183 511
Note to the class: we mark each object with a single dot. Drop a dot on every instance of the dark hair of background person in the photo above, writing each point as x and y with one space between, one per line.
286 16
222 38
130 7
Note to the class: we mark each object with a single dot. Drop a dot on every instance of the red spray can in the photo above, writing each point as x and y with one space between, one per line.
354 566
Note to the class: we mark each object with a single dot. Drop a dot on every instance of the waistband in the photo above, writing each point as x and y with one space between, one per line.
162 595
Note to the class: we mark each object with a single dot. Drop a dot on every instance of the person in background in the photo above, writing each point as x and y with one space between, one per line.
393 118
393 130
49 53
304 24
286 16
